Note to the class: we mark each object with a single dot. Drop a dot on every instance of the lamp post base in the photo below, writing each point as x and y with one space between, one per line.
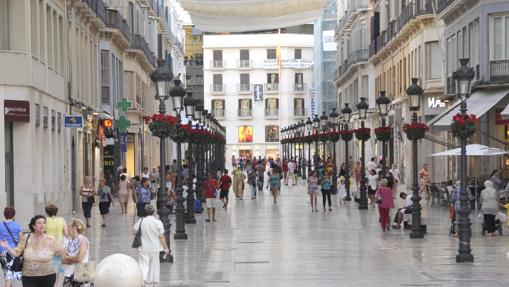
363 206
190 220
464 257
180 236
416 234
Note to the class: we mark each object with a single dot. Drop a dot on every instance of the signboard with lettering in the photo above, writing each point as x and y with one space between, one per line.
312 102
329 41
288 63
17 111
433 106
258 92
73 121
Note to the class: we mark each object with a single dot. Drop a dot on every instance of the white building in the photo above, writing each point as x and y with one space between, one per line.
255 84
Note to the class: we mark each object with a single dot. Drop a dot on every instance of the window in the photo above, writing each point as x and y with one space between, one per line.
273 78
59 122
499 37
62 43
271 104
37 115
49 35
217 59
244 79
45 118
53 120
244 55
245 107
218 108
297 54
217 79
41 31
271 53
271 133
365 87
105 77
298 107
433 60
299 78
4 24
33 26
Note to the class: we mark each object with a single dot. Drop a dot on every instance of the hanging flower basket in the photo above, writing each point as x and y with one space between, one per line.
383 134
463 126
415 131
363 134
179 134
161 126
347 135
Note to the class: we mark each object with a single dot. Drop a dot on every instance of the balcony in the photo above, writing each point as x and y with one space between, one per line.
299 88
217 89
443 4
244 88
272 88
245 113
217 65
353 58
499 71
244 64
115 21
218 113
92 10
139 43
299 112
193 62
347 19
272 112
409 12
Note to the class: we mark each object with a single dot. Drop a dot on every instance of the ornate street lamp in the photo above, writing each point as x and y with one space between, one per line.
302 162
383 103
316 131
334 122
162 77
363 106
347 113
309 130
200 174
414 91
324 124
190 107
463 77
177 94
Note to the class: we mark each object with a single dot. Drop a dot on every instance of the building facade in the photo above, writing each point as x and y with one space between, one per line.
75 58
193 59
255 84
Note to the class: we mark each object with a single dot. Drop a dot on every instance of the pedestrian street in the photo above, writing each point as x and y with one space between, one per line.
258 243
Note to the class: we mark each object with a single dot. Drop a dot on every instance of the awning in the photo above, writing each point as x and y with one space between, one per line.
221 16
478 104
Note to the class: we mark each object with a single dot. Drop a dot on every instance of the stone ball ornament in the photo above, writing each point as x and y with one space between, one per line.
118 270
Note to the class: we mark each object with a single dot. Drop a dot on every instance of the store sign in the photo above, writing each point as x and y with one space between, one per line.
433 106
73 121
17 111
258 92
434 102
329 41
288 63
312 102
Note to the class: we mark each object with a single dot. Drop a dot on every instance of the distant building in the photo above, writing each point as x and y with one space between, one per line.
257 83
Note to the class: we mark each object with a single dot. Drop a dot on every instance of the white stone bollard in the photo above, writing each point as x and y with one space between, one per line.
118 270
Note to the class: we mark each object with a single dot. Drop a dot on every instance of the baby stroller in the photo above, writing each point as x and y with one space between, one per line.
498 226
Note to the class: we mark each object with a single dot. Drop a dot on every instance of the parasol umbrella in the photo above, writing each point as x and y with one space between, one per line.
473 150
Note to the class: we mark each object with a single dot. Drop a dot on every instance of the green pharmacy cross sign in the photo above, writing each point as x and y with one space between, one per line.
124 105
123 123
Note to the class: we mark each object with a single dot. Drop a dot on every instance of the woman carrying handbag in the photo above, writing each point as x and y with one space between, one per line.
11 232
78 271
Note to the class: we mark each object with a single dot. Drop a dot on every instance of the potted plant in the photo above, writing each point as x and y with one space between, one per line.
347 135
161 126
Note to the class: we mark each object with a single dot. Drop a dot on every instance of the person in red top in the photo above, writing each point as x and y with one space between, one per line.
210 186
385 203
285 171
224 184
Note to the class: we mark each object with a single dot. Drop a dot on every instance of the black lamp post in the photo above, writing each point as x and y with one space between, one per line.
347 112
200 175
309 128
177 94
414 91
324 124
334 122
463 77
302 160
162 77
190 105
316 130
363 106
383 109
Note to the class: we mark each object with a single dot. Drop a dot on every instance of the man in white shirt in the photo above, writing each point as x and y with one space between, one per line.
371 165
152 243
402 212
292 166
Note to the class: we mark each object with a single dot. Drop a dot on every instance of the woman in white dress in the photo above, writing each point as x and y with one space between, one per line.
77 250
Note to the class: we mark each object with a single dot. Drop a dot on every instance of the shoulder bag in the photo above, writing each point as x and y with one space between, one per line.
84 272
17 263
137 237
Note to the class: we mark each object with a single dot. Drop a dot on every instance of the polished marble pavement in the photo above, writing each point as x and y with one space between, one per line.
258 243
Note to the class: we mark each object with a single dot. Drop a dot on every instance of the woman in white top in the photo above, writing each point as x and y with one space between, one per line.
372 186
77 250
87 193
123 193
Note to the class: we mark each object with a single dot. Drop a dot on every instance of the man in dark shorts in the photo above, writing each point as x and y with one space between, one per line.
224 184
